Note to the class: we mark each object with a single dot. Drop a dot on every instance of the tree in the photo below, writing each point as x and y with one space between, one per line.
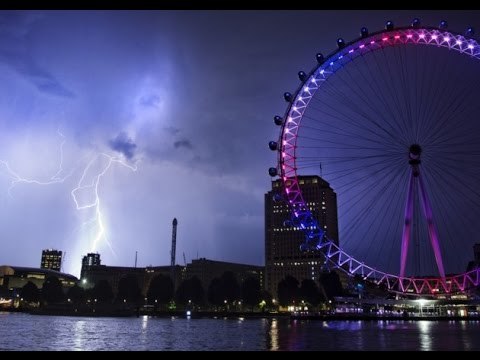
52 290
224 289
288 291
251 292
309 292
102 292
197 294
30 292
266 300
330 281
76 294
230 287
191 290
160 289
128 289
215 292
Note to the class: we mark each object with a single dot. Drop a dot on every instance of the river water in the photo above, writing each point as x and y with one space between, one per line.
33 332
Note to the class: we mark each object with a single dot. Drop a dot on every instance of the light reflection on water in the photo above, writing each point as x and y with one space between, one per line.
27 332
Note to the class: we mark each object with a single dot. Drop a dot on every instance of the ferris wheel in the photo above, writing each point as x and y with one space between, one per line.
393 120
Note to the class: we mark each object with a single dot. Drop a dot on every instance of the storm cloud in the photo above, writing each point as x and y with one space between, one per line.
124 145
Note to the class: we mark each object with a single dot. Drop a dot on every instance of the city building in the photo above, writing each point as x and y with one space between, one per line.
92 274
206 270
51 259
282 241
476 258
89 260
14 278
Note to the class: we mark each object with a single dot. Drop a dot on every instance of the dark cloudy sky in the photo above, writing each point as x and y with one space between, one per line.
185 98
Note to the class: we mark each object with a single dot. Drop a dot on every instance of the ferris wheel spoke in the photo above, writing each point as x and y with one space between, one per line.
433 95
358 109
376 89
345 117
364 206
452 241
454 109
389 74
340 132
368 100
443 177
450 203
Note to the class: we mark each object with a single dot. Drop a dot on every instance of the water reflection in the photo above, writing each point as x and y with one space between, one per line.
425 335
179 333
273 331
78 330
372 335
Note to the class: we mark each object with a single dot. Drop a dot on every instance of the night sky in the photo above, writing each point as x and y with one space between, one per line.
182 100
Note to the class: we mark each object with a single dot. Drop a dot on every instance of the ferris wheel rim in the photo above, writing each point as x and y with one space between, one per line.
287 148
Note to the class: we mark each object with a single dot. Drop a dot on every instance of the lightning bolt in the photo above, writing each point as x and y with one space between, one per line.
95 203
17 179
84 186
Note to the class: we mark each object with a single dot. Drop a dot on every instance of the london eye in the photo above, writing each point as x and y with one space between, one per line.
392 121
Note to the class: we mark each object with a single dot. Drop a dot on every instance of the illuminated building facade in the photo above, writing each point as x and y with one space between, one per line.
282 241
51 259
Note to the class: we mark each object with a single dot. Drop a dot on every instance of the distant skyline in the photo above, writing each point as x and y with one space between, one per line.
161 114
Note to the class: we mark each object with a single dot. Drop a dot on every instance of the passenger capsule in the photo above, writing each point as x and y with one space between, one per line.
416 23
273 145
320 58
302 76
364 32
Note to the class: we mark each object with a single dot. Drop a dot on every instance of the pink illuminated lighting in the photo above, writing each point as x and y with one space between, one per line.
288 167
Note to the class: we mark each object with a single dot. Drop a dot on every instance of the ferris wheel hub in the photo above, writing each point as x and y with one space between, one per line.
415 151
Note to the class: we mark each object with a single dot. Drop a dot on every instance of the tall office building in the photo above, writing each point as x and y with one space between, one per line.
89 260
476 253
51 259
282 243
